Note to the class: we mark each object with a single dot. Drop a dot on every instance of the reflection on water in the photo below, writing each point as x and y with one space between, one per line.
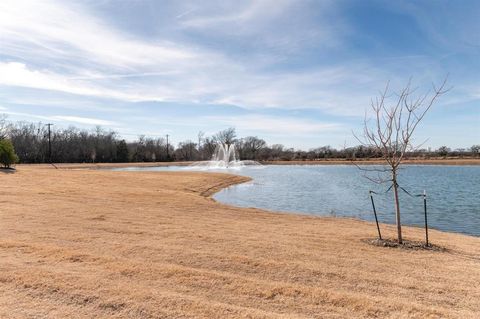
340 190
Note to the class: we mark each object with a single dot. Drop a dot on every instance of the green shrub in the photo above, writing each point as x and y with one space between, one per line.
7 153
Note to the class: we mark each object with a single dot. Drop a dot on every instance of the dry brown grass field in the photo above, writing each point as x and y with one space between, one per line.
104 244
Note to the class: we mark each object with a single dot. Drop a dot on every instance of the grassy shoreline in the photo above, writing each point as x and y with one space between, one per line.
96 243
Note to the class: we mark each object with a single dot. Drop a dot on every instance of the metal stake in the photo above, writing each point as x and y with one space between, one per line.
375 213
425 209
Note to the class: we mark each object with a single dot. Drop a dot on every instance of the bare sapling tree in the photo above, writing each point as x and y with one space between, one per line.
390 133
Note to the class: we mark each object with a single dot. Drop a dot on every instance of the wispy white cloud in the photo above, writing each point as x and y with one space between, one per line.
282 27
185 13
240 13
448 25
276 125
60 30
336 90
82 120
18 74
35 98
89 57
30 116
63 118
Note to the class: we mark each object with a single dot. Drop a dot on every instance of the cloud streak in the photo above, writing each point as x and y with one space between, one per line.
17 74
82 120
63 118
55 29
277 125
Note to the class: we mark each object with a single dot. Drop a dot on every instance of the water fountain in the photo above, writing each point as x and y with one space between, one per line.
224 157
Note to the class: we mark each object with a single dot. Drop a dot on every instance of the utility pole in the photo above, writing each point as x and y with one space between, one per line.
168 157
49 142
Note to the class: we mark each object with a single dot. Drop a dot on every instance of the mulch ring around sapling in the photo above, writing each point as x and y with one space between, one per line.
407 244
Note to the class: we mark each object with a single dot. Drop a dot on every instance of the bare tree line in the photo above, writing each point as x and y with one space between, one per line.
74 145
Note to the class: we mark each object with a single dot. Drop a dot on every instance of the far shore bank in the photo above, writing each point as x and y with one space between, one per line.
411 161
98 243
432 161
75 166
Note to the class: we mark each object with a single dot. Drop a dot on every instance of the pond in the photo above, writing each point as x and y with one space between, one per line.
453 193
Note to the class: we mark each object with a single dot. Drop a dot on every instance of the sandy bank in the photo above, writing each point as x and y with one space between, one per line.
93 243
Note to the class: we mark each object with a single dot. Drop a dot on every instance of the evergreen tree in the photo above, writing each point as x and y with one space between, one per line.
7 153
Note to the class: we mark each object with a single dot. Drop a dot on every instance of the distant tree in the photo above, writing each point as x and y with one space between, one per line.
186 151
7 153
93 156
208 147
323 152
443 151
200 136
276 151
3 126
227 137
392 131
250 146
122 152
475 149
105 145
312 155
287 154
29 140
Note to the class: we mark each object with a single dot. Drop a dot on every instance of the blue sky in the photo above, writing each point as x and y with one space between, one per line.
299 73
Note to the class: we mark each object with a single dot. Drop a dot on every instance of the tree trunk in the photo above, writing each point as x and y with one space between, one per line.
397 206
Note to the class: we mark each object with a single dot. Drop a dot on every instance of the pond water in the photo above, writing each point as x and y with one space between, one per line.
453 193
